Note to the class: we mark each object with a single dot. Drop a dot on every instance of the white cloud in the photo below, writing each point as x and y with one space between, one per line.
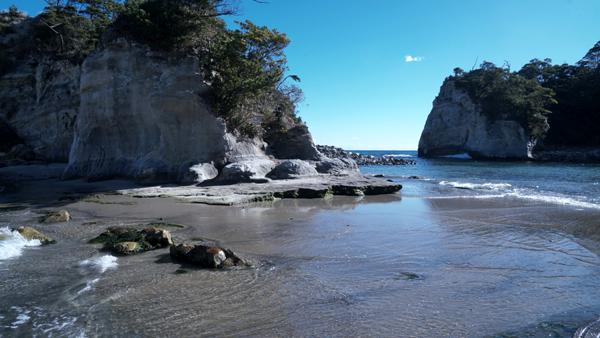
410 58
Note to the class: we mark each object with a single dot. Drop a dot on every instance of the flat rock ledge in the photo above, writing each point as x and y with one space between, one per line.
321 186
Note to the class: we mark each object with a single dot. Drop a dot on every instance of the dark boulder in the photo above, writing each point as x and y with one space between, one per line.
293 143
207 256
130 241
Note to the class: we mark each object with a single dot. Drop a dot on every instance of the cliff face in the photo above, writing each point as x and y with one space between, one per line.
38 97
142 115
39 101
127 111
457 126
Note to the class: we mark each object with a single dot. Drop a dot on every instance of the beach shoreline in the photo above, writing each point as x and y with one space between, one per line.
321 264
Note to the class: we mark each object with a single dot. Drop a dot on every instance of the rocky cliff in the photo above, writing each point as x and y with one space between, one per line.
142 115
38 99
129 111
456 125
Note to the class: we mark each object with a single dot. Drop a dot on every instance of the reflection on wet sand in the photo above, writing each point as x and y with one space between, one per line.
378 266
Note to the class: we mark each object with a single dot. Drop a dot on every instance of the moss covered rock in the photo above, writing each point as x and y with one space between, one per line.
127 248
30 233
56 217
129 241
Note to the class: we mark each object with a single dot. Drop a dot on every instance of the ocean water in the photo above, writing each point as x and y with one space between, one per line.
572 184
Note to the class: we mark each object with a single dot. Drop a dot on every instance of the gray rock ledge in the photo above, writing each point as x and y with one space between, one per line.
321 186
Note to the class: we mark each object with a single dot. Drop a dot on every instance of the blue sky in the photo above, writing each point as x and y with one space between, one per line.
361 93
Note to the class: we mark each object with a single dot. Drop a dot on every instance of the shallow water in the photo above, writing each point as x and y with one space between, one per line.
573 184
410 267
438 260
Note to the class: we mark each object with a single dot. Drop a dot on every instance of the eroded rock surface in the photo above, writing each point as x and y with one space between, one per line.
39 100
337 166
199 173
142 115
245 171
293 143
321 186
289 169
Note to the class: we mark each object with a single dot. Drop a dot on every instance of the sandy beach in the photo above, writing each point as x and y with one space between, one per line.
343 266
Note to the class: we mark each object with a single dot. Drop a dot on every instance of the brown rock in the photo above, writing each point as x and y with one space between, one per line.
30 233
127 248
56 217
206 256
158 238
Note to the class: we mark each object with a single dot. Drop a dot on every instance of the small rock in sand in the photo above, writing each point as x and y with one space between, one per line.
127 248
30 233
129 241
207 256
56 217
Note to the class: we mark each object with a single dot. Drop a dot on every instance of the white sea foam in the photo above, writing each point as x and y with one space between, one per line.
89 285
531 196
59 325
101 263
45 324
22 317
464 156
12 243
477 186
553 199
398 155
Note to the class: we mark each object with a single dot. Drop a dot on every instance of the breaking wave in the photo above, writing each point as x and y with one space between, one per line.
101 263
398 155
12 243
475 186
506 190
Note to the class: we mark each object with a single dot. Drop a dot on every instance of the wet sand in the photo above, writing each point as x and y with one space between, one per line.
345 266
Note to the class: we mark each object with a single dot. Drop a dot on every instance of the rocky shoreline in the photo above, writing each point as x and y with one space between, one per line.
19 180
360 159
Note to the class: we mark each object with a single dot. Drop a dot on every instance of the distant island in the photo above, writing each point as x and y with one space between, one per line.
543 111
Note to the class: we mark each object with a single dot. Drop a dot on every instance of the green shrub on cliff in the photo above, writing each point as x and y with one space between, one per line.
10 17
183 25
502 94
576 114
559 102
72 28
66 29
245 66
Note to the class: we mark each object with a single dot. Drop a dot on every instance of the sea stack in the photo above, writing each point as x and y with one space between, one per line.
456 126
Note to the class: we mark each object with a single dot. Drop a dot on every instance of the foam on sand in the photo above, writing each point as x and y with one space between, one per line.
101 263
398 155
477 186
505 190
12 243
